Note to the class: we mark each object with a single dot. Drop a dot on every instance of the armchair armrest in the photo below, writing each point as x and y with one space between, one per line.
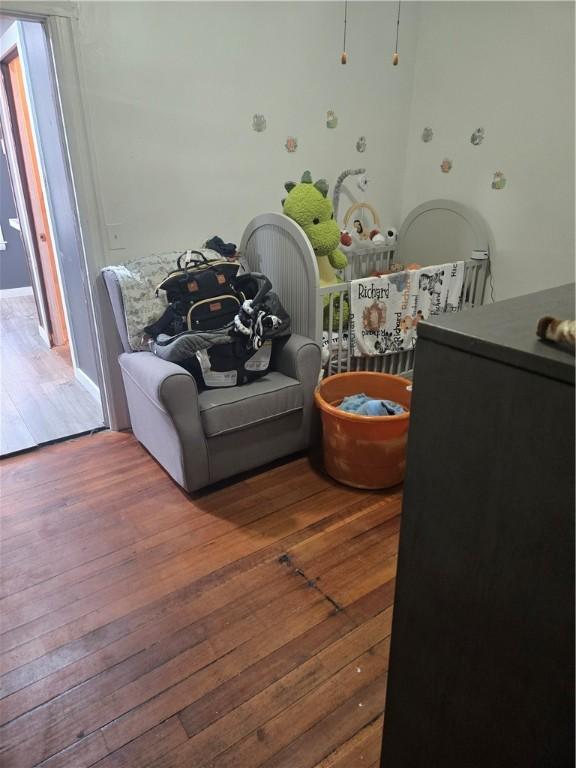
163 383
165 415
299 358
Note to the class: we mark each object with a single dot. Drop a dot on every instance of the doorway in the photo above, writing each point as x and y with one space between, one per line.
49 363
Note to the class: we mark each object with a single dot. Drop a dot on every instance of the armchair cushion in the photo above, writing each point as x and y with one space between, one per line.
233 408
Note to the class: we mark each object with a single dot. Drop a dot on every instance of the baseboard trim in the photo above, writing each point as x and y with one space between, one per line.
12 293
44 336
88 384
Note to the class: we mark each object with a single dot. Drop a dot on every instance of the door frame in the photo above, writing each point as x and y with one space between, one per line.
22 211
60 20
53 313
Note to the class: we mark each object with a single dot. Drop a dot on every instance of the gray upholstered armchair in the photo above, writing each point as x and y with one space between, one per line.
202 437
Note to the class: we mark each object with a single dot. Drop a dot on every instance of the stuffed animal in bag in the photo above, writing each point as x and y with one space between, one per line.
308 205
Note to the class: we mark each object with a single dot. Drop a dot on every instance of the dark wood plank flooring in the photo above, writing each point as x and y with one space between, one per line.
245 627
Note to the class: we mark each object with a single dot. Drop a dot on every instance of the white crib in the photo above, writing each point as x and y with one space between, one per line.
277 246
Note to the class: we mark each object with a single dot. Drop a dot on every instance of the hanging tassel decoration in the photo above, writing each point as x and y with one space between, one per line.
344 57
395 56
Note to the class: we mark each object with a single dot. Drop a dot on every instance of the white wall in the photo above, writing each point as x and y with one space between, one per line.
5 24
507 67
171 89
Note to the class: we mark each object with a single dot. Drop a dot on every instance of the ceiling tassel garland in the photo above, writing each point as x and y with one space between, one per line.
344 57
395 56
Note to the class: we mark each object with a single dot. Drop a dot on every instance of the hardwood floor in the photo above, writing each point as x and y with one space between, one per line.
247 627
41 399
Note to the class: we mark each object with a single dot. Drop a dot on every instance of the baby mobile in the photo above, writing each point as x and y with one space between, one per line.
363 234
395 55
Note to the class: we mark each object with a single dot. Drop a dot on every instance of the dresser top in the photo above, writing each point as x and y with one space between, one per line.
506 331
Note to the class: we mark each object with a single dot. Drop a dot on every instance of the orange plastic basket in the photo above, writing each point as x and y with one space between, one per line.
364 451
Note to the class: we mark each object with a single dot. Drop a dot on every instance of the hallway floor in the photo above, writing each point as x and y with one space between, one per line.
244 627
41 399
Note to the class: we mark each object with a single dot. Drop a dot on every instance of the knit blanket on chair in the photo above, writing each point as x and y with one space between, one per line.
138 282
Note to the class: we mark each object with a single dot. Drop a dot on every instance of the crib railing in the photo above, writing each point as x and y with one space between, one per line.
336 350
367 260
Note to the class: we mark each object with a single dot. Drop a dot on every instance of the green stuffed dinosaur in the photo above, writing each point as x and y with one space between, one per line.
309 206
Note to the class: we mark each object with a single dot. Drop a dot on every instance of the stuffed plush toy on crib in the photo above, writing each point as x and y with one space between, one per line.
309 206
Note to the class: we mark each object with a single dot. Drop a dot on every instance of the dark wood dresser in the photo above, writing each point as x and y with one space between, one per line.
482 655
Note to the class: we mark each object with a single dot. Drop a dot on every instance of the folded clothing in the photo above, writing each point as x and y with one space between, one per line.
362 405
228 250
